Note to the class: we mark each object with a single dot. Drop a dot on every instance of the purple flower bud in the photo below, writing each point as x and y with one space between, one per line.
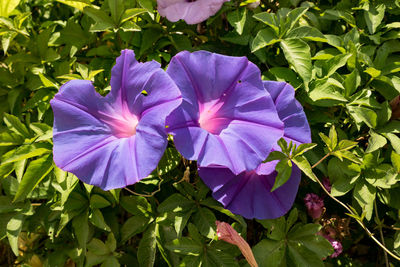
314 204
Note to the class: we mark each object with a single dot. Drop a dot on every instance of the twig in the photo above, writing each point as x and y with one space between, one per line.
381 232
371 235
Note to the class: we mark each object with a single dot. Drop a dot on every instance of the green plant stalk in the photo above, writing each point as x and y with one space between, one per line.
371 235
381 232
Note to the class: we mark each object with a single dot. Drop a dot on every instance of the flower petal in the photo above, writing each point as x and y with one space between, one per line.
229 103
290 112
192 12
249 194
116 140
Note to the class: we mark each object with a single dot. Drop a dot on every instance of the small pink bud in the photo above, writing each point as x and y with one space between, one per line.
228 234
314 205
337 246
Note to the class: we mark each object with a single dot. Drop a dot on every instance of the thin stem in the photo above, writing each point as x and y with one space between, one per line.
371 235
321 160
381 232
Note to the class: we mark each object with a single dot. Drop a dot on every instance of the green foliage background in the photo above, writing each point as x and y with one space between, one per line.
341 56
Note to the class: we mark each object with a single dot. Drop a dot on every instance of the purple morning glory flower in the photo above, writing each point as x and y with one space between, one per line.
249 193
116 140
192 11
226 117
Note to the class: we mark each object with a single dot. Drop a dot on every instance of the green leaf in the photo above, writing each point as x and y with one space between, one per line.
269 19
303 164
15 125
293 17
375 142
14 227
97 219
6 7
297 53
81 229
395 158
97 247
169 161
269 253
98 202
176 203
326 92
25 152
10 139
134 225
307 33
204 220
103 22
333 64
136 205
131 13
302 148
364 194
111 262
213 204
116 8
363 115
264 37
284 170
148 5
78 4
185 246
275 155
36 171
351 82
147 247
237 18
373 16
373 72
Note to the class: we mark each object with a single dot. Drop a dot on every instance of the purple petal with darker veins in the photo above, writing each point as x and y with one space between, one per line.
227 118
290 112
249 193
116 140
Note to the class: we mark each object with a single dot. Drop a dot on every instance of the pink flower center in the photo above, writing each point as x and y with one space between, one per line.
124 126
209 118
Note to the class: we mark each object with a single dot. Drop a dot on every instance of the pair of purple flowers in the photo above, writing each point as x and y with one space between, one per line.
217 108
